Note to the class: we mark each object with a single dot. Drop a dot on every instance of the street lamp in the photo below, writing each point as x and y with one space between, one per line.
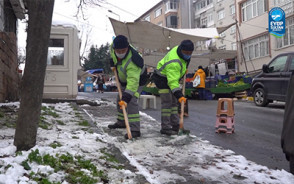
110 11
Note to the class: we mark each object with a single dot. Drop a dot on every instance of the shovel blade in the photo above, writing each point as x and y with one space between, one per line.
183 132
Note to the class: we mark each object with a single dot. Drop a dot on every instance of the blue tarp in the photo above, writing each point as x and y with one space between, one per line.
99 70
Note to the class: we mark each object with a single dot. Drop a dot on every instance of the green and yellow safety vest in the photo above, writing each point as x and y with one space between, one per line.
173 68
128 72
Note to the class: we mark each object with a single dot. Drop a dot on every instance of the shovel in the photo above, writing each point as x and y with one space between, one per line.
123 107
181 129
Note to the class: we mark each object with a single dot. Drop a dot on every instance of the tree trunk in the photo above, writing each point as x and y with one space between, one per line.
39 26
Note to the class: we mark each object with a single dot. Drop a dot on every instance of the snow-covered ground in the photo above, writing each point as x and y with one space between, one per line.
152 158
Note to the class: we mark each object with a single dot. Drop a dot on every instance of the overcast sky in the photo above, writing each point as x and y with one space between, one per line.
97 17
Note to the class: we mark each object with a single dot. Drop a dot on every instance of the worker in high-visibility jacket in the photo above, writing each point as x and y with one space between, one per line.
129 65
167 77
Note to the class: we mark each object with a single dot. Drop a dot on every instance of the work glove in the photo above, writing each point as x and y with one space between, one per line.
179 95
122 103
182 99
126 97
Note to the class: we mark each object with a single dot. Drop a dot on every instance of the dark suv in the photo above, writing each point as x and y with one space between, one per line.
272 83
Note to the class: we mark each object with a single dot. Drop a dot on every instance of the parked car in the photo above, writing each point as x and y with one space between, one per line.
272 83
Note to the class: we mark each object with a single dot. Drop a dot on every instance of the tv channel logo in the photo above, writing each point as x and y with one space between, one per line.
276 24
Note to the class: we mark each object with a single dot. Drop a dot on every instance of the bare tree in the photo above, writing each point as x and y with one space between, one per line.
32 84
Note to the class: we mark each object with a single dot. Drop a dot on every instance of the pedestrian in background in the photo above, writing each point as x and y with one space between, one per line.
169 71
100 82
129 64
287 136
201 87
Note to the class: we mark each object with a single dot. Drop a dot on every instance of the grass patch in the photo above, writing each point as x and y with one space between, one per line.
59 122
55 144
72 166
50 111
2 114
84 123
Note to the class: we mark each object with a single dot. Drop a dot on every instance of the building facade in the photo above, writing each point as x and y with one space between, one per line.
171 14
255 45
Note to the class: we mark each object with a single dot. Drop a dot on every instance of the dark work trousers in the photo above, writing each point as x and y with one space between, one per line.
132 111
169 110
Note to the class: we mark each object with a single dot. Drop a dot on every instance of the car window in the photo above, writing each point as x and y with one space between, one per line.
292 63
278 65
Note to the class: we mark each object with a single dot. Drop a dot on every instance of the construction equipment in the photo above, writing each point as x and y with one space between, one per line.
123 107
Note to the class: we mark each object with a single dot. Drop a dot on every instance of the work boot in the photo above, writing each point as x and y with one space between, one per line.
168 132
116 125
176 128
134 134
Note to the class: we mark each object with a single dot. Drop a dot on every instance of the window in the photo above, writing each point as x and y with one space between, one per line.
222 35
172 21
171 5
233 29
204 22
234 46
202 4
252 8
288 38
232 9
278 65
292 64
256 48
158 12
147 18
55 52
221 14
209 17
281 2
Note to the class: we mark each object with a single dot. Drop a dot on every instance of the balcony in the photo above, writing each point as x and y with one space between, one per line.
288 7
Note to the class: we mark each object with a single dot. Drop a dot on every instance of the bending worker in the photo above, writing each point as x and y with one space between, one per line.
129 65
167 75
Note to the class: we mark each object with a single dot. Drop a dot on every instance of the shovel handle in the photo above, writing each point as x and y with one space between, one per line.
123 107
182 104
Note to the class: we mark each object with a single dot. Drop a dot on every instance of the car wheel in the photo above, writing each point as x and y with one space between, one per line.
260 97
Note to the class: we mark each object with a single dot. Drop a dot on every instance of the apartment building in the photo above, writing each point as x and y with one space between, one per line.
171 14
258 46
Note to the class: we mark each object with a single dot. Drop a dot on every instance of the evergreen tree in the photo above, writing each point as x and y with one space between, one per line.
98 58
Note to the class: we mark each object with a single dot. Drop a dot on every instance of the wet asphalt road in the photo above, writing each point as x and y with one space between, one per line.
257 129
